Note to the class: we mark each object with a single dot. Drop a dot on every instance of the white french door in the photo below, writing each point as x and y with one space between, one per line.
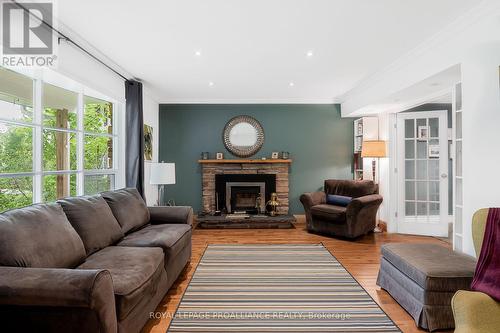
422 149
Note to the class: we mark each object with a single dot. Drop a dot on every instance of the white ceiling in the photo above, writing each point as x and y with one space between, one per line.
252 49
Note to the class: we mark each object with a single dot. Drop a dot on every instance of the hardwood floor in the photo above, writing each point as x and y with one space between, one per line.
361 258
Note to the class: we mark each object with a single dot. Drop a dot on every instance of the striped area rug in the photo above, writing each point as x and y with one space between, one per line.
275 288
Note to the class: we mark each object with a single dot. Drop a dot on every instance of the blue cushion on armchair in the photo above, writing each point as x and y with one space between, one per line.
338 200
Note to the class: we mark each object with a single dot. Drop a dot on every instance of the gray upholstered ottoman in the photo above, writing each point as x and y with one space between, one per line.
423 278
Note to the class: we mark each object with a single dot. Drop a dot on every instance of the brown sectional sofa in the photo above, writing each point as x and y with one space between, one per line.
89 264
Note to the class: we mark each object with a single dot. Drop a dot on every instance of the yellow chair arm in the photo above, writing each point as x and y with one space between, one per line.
475 312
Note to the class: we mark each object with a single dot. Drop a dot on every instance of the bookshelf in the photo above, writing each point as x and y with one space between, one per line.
365 129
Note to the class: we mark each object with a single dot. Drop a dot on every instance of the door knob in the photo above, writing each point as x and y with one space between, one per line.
444 175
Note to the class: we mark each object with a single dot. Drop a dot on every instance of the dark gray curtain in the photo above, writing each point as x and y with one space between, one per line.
134 151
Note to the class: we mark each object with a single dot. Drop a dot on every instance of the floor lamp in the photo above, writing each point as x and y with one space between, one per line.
374 149
162 174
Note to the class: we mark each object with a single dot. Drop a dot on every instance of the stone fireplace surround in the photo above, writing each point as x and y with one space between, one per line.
210 168
255 183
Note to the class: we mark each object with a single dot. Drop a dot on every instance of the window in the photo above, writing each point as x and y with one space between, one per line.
15 192
98 145
59 142
74 152
16 140
98 183
98 127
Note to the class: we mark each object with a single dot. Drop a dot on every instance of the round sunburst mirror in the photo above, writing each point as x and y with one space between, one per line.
243 136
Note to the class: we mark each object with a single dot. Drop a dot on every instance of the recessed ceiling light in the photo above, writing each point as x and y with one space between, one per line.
210 84
291 84
198 53
309 53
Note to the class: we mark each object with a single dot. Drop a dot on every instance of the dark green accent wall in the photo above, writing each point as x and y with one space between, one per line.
319 140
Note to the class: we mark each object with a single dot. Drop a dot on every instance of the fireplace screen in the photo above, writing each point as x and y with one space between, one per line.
245 196
244 200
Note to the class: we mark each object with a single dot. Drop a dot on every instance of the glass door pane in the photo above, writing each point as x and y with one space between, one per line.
422 186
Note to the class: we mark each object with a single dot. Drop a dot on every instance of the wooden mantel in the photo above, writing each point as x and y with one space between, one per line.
243 161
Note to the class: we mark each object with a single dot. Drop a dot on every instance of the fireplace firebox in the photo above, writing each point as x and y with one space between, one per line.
245 197
246 193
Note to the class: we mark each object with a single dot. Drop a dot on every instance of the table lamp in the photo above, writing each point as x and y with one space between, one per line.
162 174
374 149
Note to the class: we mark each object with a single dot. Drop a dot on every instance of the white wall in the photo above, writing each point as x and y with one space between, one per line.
151 109
474 44
78 66
481 133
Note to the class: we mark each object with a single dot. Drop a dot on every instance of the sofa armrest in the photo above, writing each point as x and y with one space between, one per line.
309 200
361 214
475 312
52 288
171 214
367 201
313 198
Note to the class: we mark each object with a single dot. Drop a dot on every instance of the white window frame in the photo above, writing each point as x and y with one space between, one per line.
41 76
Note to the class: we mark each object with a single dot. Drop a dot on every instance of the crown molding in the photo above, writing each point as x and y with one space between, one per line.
485 9
252 101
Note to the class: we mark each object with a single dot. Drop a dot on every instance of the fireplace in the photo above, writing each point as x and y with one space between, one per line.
246 193
243 197
216 173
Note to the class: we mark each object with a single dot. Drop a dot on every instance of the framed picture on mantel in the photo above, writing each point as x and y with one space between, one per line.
219 156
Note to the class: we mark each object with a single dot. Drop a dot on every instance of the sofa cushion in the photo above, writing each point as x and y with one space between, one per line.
335 214
350 188
134 271
93 220
39 236
172 238
128 207
432 267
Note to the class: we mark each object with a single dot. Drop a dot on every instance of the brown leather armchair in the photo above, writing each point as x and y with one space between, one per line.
358 218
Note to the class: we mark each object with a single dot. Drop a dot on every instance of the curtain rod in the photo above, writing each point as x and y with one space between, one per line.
66 38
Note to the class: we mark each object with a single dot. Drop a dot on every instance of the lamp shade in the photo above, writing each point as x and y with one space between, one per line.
373 149
162 174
